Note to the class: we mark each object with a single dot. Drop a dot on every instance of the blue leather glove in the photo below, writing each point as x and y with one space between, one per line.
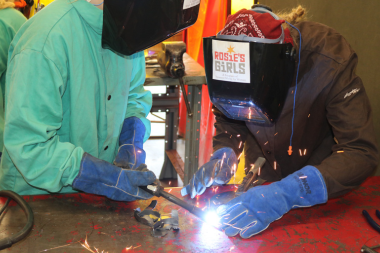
253 211
217 171
131 153
102 178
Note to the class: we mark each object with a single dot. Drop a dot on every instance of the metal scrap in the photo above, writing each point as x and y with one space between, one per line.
160 227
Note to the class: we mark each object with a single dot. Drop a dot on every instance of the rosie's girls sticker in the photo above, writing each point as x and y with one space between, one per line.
231 61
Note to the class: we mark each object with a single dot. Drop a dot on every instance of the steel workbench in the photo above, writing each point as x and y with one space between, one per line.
63 222
168 102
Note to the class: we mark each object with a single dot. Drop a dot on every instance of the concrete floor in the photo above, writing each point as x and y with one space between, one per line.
155 149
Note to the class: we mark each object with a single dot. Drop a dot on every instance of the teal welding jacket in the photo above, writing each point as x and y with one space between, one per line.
65 95
10 22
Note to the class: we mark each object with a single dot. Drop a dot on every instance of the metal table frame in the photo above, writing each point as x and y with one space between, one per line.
194 79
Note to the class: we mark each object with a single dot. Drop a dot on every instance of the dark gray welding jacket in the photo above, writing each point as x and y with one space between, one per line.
333 128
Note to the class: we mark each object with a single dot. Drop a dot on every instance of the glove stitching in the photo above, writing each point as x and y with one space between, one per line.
125 191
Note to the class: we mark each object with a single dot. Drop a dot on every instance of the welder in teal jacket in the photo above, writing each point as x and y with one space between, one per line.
10 22
75 113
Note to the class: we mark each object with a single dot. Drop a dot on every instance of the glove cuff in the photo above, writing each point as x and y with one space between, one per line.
93 173
304 188
224 152
132 132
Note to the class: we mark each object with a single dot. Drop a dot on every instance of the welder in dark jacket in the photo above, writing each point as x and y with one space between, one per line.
321 146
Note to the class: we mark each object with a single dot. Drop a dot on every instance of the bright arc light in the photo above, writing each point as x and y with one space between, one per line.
212 218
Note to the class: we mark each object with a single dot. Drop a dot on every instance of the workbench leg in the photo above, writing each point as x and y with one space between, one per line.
171 136
194 93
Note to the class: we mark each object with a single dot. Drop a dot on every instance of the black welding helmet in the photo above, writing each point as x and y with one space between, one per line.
130 26
248 77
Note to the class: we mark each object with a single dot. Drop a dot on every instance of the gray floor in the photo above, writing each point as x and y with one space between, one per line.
155 148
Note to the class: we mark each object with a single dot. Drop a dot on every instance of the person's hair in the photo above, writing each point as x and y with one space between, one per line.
6 4
297 14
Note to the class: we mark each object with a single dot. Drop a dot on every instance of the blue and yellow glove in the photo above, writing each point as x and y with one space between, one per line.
131 153
217 171
102 178
253 211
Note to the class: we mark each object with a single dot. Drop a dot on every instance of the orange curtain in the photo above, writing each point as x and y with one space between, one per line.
211 19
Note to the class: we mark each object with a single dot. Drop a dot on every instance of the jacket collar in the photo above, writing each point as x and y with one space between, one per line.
91 14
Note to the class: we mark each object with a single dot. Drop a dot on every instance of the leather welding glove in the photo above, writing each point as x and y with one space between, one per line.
217 171
253 211
131 153
100 177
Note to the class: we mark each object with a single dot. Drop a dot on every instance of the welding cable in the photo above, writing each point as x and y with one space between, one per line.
5 205
371 221
7 242
378 214
295 90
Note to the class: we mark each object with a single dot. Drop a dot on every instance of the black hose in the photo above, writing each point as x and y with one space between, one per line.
7 242
378 214
371 221
5 206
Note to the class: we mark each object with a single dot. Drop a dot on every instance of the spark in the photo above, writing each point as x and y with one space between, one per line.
300 152
340 151
128 248
260 212
240 155
197 203
304 152
224 155
303 177
275 165
238 135
232 248
301 197
262 195
87 247
136 247
170 182
55 247
240 144
266 143
204 208
216 188
170 190
231 136
308 115
138 151
275 134
257 132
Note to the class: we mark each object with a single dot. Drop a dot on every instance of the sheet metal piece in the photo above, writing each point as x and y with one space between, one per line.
151 218
145 217
162 227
